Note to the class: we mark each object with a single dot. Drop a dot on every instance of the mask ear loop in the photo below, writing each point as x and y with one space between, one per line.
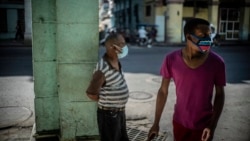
189 38
196 44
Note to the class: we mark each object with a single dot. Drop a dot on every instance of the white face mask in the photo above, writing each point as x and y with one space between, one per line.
123 53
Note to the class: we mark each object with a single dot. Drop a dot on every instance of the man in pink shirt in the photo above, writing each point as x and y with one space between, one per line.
197 72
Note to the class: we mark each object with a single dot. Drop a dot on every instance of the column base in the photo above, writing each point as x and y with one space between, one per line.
28 39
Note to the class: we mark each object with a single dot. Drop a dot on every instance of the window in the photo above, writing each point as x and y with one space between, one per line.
136 14
164 2
148 10
229 23
3 20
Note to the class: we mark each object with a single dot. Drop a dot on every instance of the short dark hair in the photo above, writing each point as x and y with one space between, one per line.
112 36
192 24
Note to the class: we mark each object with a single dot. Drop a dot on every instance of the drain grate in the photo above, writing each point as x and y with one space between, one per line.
139 135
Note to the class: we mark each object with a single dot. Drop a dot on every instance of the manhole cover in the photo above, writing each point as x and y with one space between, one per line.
139 95
139 135
11 116
157 79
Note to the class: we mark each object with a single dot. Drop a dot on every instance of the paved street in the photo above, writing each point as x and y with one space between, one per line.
144 60
141 69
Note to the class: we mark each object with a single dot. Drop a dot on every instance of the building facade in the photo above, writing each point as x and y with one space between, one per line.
231 18
11 13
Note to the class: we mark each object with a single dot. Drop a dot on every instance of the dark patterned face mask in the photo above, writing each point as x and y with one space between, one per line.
204 44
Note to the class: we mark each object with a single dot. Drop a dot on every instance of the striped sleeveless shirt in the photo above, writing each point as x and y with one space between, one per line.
114 93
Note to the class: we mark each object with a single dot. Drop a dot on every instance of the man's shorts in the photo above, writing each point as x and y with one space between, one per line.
182 133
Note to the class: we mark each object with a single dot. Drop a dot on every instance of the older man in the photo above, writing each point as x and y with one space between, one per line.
108 87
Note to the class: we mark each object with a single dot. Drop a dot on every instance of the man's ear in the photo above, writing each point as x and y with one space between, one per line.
188 37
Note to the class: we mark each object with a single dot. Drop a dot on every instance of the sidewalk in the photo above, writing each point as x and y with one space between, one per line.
234 124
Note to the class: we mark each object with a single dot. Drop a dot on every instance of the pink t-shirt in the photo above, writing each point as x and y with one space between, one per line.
194 87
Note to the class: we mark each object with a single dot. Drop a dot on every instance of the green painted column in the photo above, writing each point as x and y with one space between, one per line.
174 21
65 50
213 13
45 65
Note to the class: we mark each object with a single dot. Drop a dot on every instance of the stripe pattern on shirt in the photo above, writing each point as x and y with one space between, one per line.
114 93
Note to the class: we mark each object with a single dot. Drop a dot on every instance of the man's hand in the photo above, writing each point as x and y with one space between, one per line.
93 97
153 132
206 134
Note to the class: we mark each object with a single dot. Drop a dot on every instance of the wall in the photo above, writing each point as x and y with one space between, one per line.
65 51
189 12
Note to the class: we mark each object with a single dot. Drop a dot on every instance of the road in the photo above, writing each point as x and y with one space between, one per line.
144 60
17 61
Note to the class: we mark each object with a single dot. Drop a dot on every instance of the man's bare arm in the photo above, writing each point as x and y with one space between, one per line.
219 99
95 85
161 99
160 104
218 105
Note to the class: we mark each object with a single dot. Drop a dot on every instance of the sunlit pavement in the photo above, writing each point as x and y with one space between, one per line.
140 109
141 69
233 124
16 107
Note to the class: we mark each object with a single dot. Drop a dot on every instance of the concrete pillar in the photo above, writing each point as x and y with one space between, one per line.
160 22
45 66
28 24
245 31
174 21
213 13
65 51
